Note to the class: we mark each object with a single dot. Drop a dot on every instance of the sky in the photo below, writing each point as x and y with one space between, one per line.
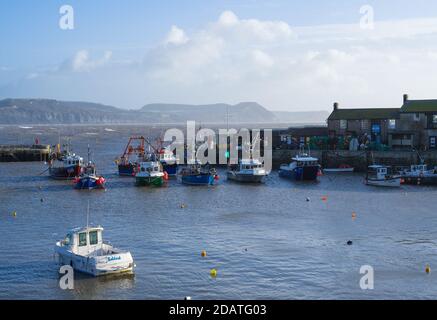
285 55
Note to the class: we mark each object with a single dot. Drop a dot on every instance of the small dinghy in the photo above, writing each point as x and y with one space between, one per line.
378 176
248 170
341 169
84 250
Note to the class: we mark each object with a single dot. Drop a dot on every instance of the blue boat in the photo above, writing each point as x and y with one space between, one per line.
303 167
89 179
197 175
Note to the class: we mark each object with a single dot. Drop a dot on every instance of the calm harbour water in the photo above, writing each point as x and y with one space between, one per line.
266 241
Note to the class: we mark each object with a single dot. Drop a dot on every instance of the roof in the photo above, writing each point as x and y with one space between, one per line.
308 131
419 106
365 114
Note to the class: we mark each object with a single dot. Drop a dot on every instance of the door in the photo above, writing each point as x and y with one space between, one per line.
432 142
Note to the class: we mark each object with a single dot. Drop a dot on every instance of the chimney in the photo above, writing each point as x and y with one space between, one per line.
405 98
335 106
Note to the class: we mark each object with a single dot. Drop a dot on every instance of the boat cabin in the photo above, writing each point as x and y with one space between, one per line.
378 171
305 161
419 168
72 160
150 167
84 241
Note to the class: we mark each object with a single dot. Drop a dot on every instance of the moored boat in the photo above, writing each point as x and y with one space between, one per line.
132 156
419 175
196 174
67 166
378 175
302 167
247 170
340 169
85 251
150 173
169 161
89 179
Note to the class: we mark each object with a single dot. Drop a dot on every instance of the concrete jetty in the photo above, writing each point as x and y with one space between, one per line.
24 153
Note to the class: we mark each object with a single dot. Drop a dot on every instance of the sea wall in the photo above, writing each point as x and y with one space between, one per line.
360 159
23 153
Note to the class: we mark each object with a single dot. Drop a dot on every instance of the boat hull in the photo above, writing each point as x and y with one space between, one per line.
338 170
387 183
198 180
65 173
308 173
171 169
89 183
149 181
103 266
127 170
424 180
247 178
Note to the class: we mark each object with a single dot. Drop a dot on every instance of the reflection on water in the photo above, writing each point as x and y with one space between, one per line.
266 241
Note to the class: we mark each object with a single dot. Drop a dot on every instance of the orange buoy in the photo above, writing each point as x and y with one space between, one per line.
324 198
203 253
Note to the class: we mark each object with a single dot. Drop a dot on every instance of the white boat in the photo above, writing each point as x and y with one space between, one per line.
341 169
248 170
378 175
84 250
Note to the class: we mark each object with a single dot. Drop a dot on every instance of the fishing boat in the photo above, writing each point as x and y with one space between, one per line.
247 170
132 156
85 251
89 179
344 168
419 175
302 167
65 165
150 173
196 174
378 175
168 161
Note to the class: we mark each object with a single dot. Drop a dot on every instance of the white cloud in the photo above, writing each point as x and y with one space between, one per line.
176 36
280 66
81 61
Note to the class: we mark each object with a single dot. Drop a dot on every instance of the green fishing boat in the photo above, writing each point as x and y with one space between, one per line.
150 174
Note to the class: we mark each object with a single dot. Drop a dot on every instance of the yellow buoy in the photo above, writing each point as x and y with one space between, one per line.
213 273
203 254
428 269
14 214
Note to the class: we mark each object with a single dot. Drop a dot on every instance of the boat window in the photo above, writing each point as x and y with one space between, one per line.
82 239
142 169
93 237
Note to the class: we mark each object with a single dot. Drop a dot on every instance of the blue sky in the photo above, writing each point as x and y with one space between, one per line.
112 36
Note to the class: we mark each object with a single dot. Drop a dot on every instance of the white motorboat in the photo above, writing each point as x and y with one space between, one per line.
378 175
84 250
248 170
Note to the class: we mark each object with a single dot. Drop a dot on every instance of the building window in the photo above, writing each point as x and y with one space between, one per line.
392 124
364 124
434 118
416 117
343 124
